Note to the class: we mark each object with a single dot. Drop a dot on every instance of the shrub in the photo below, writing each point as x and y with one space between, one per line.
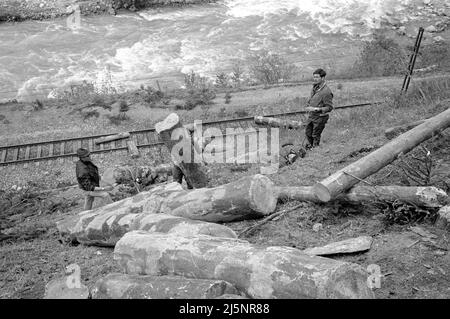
269 68
90 114
227 98
38 105
221 80
435 54
380 57
199 89
237 75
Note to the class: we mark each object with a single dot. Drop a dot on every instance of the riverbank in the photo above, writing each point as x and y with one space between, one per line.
16 10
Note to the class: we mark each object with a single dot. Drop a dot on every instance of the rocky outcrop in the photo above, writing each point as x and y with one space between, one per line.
260 272
123 286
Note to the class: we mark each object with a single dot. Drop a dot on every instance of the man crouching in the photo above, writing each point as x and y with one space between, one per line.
89 180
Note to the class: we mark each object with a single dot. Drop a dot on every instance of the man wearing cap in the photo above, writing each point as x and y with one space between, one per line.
320 104
89 179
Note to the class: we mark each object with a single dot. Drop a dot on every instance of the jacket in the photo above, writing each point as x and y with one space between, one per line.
87 175
321 97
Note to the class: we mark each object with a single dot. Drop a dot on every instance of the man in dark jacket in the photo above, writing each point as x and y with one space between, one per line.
320 104
89 180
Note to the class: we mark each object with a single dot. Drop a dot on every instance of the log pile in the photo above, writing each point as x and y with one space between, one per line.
168 243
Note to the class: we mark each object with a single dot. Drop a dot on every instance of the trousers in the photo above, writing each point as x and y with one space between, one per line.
314 129
89 197
178 175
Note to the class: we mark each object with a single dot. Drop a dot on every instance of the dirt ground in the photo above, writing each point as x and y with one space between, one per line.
31 252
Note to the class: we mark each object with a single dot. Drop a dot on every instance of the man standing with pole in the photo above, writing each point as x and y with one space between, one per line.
320 104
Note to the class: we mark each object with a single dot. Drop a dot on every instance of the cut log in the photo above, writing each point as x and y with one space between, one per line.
112 138
274 122
249 197
395 131
246 198
184 152
426 196
347 246
123 286
260 272
106 225
345 178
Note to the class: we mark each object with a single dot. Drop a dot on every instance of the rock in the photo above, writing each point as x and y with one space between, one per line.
260 272
431 29
317 227
438 39
123 286
427 2
59 289
347 246
443 219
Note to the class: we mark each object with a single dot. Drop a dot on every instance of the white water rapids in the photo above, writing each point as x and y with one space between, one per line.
162 44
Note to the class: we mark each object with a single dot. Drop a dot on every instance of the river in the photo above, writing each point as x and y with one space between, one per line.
163 44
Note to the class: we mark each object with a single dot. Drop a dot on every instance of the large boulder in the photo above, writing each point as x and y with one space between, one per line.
123 286
260 272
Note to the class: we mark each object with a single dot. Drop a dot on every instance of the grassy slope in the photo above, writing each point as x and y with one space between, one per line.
27 264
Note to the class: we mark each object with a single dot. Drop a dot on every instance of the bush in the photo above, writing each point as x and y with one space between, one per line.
199 89
118 119
227 98
435 54
380 57
221 80
237 75
269 68
90 114
38 105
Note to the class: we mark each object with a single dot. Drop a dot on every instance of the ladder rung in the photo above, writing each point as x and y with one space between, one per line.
50 149
4 152
27 152
39 151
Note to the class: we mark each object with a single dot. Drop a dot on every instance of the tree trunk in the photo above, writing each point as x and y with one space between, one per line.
112 138
248 197
132 149
427 196
395 131
106 225
123 286
345 178
260 272
189 160
274 122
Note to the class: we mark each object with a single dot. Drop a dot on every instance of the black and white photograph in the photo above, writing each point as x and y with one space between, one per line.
225 154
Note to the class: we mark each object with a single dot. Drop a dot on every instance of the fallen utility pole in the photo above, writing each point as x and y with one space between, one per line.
421 196
344 179
112 138
274 122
